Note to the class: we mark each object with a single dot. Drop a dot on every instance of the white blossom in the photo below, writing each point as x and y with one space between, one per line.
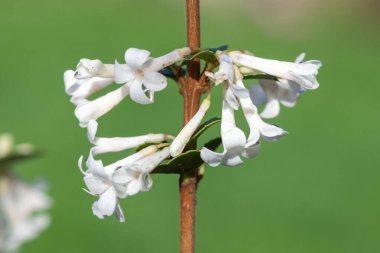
141 72
188 130
304 73
272 93
109 182
116 144
21 216
234 143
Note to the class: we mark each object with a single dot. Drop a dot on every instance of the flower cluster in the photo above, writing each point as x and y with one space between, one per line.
21 204
141 76
290 80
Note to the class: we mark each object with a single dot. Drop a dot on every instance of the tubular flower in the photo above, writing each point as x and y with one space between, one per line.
106 182
272 93
89 77
116 144
234 143
136 176
184 136
141 72
304 73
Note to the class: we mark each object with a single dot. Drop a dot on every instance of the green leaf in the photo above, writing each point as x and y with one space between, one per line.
189 160
185 161
203 127
221 48
261 76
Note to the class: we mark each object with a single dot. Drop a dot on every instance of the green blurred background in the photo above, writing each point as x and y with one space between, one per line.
316 190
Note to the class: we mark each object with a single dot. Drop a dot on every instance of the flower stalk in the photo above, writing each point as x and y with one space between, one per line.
191 92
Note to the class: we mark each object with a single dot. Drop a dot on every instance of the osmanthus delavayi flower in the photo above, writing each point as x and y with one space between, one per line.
89 77
179 143
141 72
124 178
116 144
234 142
226 74
272 93
303 73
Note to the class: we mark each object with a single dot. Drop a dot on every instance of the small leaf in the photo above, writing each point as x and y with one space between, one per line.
185 161
261 76
203 127
221 48
188 160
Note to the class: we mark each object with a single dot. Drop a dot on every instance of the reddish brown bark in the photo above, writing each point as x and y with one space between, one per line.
192 92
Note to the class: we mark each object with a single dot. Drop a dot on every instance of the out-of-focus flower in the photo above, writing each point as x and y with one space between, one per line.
20 210
141 72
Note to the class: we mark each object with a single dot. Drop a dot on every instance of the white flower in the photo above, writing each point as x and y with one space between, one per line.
81 89
109 184
258 128
226 74
272 93
136 176
141 72
234 143
19 205
188 130
115 144
303 73
87 68
92 110
89 77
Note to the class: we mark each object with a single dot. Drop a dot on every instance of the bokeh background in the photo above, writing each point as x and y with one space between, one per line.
316 190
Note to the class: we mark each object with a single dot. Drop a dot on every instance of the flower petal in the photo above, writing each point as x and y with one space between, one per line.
124 175
96 211
137 93
154 81
258 95
95 184
95 109
134 187
135 57
119 213
146 182
123 73
231 99
232 159
251 151
211 158
107 202
272 109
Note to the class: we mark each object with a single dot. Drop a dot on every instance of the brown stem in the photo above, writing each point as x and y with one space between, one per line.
191 92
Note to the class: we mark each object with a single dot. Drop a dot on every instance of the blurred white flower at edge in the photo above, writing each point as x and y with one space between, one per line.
21 204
